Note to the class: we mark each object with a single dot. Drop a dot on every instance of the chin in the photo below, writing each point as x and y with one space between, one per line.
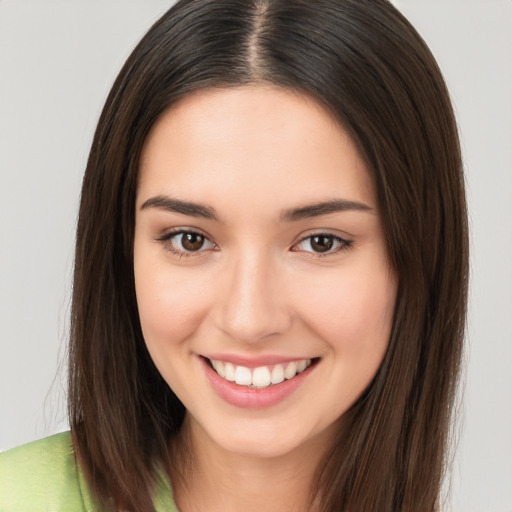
264 438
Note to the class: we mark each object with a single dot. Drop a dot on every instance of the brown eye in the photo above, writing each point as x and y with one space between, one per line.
192 241
185 243
322 243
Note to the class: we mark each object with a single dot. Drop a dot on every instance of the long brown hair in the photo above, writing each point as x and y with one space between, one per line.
367 65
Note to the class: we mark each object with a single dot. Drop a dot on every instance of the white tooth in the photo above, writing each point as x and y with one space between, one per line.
261 377
243 376
219 367
290 371
277 374
308 363
301 366
229 371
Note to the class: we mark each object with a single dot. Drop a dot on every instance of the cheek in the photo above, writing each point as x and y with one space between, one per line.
354 313
170 307
170 311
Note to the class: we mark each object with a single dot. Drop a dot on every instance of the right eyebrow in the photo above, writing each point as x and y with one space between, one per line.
184 207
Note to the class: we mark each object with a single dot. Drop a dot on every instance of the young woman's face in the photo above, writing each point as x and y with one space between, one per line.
259 252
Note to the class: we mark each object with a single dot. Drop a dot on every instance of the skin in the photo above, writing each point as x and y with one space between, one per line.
258 286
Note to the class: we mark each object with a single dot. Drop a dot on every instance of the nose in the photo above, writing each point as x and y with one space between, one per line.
252 304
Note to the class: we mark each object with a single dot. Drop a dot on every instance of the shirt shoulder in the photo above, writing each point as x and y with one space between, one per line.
43 475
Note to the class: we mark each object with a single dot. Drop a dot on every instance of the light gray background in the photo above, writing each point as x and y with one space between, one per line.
57 62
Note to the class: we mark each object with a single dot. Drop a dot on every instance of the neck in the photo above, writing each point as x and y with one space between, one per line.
207 478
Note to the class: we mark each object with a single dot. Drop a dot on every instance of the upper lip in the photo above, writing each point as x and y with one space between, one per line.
254 362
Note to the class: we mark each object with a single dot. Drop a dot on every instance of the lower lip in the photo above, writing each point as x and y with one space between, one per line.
249 398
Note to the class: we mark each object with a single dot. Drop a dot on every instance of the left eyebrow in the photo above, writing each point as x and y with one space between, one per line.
324 208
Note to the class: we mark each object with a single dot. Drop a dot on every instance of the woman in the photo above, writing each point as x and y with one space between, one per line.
270 274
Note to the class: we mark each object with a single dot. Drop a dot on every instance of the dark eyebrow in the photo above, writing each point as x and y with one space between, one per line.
291 215
324 208
183 207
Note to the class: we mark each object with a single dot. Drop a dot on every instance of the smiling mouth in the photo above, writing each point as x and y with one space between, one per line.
261 377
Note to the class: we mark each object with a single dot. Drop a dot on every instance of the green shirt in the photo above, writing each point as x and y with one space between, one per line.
43 476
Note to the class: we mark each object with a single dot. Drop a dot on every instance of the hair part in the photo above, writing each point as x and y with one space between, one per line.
371 70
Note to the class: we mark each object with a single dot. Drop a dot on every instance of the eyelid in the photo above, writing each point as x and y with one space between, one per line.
166 237
344 241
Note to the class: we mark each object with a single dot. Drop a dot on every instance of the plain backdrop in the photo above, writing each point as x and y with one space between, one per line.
58 60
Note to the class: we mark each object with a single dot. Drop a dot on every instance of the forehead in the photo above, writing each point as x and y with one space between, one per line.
217 142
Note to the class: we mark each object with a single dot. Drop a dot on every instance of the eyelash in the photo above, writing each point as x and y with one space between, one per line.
343 244
167 238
